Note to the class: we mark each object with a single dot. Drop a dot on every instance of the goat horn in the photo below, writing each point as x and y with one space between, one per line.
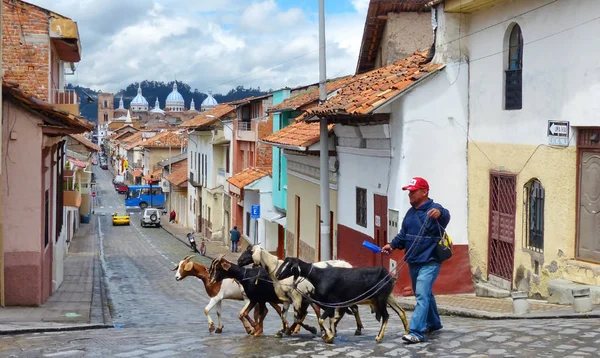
175 269
188 257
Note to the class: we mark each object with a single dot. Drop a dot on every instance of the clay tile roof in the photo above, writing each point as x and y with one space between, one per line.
221 111
179 176
133 141
118 136
137 173
248 176
308 97
298 134
53 117
165 139
89 145
372 89
156 175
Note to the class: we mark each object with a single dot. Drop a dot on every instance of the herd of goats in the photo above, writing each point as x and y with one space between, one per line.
332 288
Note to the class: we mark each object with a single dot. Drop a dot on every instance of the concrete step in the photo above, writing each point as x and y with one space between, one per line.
560 292
485 289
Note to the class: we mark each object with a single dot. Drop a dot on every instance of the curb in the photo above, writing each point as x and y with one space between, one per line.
183 242
451 311
54 329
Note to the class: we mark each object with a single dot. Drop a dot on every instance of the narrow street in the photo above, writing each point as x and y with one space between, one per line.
156 316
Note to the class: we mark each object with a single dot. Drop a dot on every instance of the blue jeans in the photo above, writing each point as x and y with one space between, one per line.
425 315
234 246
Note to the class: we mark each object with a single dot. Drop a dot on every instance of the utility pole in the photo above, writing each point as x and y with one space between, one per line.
1 199
324 141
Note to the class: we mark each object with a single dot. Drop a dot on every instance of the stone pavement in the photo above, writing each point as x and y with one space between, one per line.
80 301
213 248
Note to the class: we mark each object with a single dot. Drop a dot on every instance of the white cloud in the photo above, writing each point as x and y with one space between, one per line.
208 44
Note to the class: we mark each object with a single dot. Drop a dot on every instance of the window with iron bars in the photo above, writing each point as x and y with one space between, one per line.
533 210
361 207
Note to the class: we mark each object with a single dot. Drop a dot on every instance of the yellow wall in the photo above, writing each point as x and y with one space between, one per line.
556 170
309 194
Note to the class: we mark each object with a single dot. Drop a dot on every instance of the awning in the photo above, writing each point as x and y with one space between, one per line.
137 173
280 219
76 162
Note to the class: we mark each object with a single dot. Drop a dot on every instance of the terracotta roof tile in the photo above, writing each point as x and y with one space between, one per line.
165 139
298 134
156 175
305 98
372 89
81 139
219 112
248 176
137 173
68 122
179 176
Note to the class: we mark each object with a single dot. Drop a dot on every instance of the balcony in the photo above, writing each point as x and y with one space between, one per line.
246 130
66 100
71 198
221 177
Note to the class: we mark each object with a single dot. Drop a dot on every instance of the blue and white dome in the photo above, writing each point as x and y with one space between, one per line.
156 108
175 101
139 102
209 103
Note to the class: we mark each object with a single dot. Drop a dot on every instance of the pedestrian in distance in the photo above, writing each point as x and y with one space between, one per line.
235 239
172 216
421 231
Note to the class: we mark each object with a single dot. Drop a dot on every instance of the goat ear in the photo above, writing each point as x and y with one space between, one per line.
226 265
188 266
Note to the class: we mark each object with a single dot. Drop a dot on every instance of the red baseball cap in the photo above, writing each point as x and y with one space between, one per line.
416 183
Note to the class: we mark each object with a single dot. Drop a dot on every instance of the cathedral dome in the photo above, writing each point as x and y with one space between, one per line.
175 101
209 103
139 102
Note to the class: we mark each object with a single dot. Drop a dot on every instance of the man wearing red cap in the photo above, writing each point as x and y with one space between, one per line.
421 230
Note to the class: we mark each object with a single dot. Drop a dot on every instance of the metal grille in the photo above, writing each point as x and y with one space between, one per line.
514 89
588 137
534 216
502 225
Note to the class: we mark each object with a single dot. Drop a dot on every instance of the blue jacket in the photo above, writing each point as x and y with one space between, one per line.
420 244
235 235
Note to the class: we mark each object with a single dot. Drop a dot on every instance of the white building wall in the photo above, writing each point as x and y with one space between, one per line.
559 83
194 193
429 140
250 198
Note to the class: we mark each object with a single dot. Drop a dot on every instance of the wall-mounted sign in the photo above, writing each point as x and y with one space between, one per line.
558 133
255 212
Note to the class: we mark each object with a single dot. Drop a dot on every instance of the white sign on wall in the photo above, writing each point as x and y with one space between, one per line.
558 133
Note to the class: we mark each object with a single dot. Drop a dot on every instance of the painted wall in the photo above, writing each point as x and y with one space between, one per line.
280 181
309 194
193 192
250 233
267 231
558 84
22 197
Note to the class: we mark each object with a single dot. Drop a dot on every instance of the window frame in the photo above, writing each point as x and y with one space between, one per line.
534 215
361 206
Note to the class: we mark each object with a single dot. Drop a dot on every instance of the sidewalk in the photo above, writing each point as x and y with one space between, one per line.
213 248
79 303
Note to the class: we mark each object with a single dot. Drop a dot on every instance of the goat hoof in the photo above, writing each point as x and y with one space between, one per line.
327 339
312 330
219 330
211 327
358 332
278 334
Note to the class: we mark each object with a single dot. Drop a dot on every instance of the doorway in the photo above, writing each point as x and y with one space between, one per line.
501 236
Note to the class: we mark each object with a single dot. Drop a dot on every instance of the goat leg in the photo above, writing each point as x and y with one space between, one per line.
280 311
394 305
359 325
219 324
243 315
382 308
262 308
328 335
213 301
317 310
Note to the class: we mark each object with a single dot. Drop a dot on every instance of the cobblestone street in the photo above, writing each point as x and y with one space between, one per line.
156 316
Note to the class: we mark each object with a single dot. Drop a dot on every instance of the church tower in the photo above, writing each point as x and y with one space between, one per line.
106 108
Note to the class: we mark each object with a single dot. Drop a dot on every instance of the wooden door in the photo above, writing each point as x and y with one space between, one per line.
503 203
280 242
380 226
319 233
588 231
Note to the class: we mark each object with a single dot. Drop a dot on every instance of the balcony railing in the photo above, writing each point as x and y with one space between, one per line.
244 126
66 96
246 130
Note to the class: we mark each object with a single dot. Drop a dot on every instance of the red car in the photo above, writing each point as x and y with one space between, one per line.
121 188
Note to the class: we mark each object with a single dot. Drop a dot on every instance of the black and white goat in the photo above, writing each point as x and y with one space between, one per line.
339 286
257 287
296 294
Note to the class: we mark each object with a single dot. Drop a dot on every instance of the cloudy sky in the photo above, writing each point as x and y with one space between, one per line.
211 44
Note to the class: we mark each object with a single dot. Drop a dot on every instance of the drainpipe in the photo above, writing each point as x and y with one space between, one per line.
324 138
1 205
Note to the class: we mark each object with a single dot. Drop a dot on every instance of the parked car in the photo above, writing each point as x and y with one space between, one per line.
121 218
121 188
150 216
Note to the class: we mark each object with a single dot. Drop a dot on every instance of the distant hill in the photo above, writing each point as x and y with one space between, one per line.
153 89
